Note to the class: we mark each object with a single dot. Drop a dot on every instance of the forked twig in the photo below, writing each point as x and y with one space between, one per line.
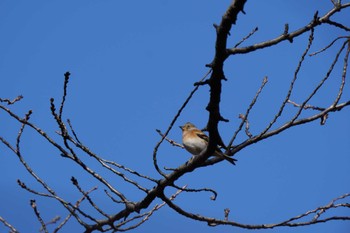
9 102
307 106
52 221
148 214
72 213
250 107
37 214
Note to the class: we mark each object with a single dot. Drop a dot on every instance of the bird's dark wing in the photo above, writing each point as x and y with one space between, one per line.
203 136
218 151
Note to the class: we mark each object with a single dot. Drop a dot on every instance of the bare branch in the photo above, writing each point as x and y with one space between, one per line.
172 142
338 25
66 139
72 212
330 45
291 87
7 144
290 222
290 36
247 37
245 120
345 68
190 190
73 131
105 163
52 221
251 105
9 102
38 130
320 84
226 213
129 170
37 214
148 214
331 205
307 106
8 225
66 79
271 133
112 198
25 187
86 195
18 140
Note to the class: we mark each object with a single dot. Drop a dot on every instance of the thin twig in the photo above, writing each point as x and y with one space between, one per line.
72 213
226 213
247 37
345 68
128 170
7 144
66 79
8 225
112 198
25 187
66 139
73 131
329 45
331 68
52 221
307 106
37 214
148 214
9 102
76 184
338 25
251 105
291 87
105 163
330 205
172 142
247 127
190 190
286 126
19 135
33 174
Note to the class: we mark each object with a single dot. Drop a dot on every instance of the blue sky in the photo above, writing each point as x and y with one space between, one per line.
132 65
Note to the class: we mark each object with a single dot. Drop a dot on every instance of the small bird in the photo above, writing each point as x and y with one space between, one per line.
195 141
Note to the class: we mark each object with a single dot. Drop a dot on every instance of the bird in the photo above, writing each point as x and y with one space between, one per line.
195 141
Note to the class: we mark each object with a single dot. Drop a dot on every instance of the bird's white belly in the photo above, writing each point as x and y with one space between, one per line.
195 147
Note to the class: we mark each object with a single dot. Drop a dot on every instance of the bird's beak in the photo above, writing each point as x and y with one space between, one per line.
181 127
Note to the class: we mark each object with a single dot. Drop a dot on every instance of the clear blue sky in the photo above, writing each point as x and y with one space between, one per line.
133 64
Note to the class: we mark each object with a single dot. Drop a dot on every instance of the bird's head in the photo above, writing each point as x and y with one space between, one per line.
187 126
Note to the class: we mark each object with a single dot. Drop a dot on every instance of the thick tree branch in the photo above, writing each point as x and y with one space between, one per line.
217 76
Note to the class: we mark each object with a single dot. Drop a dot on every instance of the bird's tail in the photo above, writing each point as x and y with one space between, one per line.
226 157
